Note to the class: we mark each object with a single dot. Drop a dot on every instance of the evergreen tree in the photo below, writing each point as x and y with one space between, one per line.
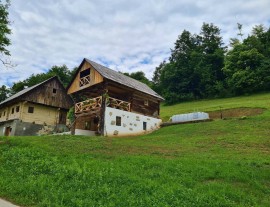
195 67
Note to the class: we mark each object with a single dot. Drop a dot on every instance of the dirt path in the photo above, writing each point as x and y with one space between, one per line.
4 203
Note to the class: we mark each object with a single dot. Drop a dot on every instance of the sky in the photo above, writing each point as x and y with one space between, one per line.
126 36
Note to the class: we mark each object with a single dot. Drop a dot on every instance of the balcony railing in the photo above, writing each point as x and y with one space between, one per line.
88 105
118 104
85 80
95 104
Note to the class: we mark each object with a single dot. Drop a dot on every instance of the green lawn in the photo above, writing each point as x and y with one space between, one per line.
219 163
259 100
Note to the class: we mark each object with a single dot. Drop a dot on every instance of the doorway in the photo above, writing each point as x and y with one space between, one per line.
8 131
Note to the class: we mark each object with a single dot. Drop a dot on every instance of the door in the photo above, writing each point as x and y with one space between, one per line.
62 117
8 131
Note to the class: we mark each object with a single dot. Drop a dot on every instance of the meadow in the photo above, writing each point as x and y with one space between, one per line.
225 162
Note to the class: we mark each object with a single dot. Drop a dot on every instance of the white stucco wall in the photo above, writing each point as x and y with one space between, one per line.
131 123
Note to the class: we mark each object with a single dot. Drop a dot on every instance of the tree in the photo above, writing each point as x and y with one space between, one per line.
195 67
156 77
4 32
239 27
62 72
140 76
212 56
178 78
4 93
247 64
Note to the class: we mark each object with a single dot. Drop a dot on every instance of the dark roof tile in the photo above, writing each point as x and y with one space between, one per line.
123 79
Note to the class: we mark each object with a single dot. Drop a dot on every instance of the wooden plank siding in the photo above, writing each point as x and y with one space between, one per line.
51 94
95 78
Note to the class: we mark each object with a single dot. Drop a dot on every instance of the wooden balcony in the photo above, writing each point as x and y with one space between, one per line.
85 80
118 104
88 105
95 104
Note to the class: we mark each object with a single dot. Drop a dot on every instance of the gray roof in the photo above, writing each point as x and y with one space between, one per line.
24 91
123 79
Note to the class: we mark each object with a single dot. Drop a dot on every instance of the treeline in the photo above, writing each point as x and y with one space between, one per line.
64 74
200 66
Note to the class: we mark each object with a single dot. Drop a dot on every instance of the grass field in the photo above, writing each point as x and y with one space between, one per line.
218 163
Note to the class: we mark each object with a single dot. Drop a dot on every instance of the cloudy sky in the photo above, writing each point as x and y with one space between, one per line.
126 36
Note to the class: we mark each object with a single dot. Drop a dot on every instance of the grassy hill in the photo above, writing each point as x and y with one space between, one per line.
218 163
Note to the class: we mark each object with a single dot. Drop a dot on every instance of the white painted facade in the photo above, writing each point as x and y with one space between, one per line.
130 123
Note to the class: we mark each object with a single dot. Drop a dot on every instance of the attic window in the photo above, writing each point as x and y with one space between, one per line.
54 90
84 77
17 108
12 110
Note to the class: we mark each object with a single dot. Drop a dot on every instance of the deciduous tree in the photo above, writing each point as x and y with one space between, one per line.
4 32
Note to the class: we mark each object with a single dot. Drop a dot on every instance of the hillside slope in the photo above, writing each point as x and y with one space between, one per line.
254 101
219 163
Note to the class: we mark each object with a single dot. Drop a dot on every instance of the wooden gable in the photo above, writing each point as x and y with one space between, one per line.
85 77
51 93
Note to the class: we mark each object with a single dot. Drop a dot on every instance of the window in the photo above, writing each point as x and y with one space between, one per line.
84 77
144 125
85 73
0 114
30 109
4 113
54 90
146 102
17 109
12 110
118 121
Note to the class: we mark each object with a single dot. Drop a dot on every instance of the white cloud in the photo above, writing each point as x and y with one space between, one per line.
126 35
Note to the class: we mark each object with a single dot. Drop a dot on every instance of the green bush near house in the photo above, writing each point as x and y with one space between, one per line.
219 163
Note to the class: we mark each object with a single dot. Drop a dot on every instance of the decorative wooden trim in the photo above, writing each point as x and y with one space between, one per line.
85 80
118 104
88 105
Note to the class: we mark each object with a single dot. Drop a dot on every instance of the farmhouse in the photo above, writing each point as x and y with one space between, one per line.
41 108
112 104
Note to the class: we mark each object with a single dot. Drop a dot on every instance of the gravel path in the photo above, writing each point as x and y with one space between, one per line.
4 203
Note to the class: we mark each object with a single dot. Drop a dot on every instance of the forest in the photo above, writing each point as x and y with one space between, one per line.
200 66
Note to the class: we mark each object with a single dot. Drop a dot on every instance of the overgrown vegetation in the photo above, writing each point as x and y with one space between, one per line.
219 163
200 66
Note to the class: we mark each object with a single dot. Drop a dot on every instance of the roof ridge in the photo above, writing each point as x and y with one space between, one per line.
125 80
118 72
25 90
